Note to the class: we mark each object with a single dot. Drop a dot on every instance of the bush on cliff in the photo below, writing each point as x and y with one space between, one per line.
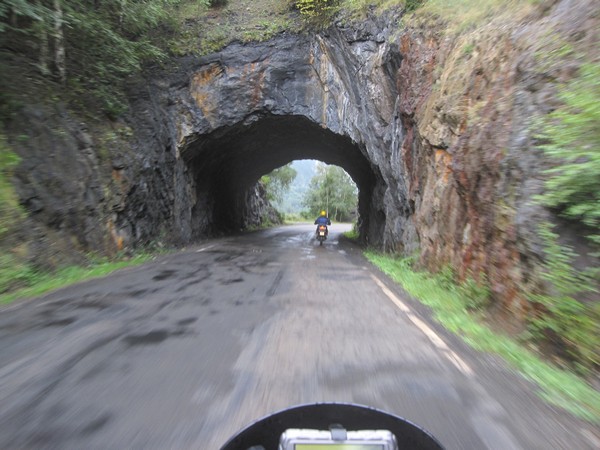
571 140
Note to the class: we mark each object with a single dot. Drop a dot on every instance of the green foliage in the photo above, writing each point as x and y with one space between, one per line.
473 295
200 31
573 324
411 5
107 43
460 15
317 11
104 42
13 10
296 217
33 283
10 210
353 234
278 182
333 190
468 49
15 274
571 137
559 387
293 198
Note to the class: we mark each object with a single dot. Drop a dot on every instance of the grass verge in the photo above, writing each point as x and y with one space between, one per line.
352 235
558 387
45 282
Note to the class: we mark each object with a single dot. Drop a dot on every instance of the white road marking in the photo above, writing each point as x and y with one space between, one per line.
459 363
391 295
205 248
426 329
433 337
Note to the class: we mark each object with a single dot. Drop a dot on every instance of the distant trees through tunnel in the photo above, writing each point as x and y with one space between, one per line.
227 164
302 189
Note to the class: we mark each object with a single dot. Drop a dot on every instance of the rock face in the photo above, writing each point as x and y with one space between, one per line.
434 130
252 108
469 155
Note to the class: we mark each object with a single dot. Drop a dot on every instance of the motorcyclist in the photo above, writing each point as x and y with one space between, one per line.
322 220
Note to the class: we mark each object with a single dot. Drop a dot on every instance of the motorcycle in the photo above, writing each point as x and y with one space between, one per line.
322 233
332 426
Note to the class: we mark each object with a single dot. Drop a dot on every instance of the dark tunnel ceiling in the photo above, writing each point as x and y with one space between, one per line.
240 154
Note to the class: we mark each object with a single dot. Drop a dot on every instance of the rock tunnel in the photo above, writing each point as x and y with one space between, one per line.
239 114
227 163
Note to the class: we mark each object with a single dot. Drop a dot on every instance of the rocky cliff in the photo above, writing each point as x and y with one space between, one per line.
470 161
433 128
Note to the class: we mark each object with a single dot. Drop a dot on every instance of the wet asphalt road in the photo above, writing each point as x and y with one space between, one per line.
183 351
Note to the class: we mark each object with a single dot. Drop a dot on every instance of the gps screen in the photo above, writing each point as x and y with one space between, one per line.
338 447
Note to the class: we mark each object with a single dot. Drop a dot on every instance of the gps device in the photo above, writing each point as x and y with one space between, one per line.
337 438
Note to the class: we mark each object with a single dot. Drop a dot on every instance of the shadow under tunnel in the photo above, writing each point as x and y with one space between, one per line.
226 163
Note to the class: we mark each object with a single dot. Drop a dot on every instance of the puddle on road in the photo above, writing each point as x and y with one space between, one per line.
60 322
231 281
307 254
163 275
96 424
151 338
187 321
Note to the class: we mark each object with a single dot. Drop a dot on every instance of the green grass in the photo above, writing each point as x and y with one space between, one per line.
200 31
352 235
462 15
557 386
41 283
296 218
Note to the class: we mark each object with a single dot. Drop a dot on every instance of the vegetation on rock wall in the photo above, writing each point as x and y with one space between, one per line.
571 324
10 210
85 44
316 8
570 139
11 215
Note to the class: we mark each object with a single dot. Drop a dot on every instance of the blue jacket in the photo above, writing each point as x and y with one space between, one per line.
322 221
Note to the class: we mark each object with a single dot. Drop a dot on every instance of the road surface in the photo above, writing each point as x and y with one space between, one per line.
183 351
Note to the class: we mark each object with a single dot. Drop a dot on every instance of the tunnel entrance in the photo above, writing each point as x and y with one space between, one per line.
226 163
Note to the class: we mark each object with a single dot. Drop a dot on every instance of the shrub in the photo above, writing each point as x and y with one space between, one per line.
10 210
316 8
562 318
571 137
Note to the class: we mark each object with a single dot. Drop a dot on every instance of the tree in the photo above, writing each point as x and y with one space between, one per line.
88 44
333 190
278 182
59 43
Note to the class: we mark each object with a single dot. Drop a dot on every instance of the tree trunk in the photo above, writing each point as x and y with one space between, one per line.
44 49
122 14
59 43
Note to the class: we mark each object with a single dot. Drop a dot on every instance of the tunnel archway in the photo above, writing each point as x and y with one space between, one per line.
226 163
